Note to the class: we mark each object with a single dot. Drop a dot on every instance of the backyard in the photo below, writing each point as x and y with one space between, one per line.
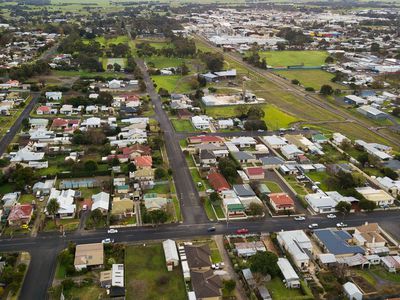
280 292
147 275
182 125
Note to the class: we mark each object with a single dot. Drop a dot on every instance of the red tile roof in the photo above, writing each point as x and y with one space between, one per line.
44 108
203 139
218 182
20 212
145 150
58 122
281 200
255 171
143 161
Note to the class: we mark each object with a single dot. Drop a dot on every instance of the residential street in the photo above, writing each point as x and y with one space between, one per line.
8 137
192 209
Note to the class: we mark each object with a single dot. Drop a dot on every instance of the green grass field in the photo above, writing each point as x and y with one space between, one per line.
274 117
292 58
182 125
173 83
280 292
164 62
311 78
145 269
273 186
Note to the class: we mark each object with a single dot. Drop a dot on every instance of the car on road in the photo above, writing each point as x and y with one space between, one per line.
107 241
8 131
112 230
299 218
211 229
260 130
313 226
341 224
242 231
331 216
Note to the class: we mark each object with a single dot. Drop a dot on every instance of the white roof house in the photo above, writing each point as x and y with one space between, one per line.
228 123
380 197
378 150
200 122
117 275
101 201
275 141
292 280
390 185
171 253
352 291
114 84
25 154
65 200
297 243
92 122
54 95
338 138
291 151
243 141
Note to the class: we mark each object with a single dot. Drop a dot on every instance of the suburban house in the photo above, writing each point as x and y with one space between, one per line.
291 151
233 207
201 122
369 236
380 197
352 292
205 139
55 96
298 245
145 161
292 280
89 255
152 201
101 201
255 173
337 242
244 157
20 214
281 202
207 158
171 254
272 162
65 201
206 285
122 207
218 182
198 257
275 142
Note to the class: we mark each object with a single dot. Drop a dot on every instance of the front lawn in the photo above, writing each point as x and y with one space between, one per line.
320 177
273 186
147 277
209 210
160 189
196 179
68 224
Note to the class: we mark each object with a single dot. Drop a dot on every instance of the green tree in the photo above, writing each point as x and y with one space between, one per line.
396 112
96 217
295 81
215 198
343 207
229 285
264 263
390 173
52 208
255 113
160 173
241 110
367 205
329 60
375 47
326 90
117 67
90 165
255 209
157 216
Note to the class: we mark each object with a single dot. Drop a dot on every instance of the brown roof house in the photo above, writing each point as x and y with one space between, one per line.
206 285
369 235
89 255
198 257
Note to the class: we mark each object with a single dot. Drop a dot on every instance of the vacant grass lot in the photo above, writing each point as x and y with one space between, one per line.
164 62
111 61
274 117
280 292
273 186
147 277
291 58
320 177
183 125
173 83
311 78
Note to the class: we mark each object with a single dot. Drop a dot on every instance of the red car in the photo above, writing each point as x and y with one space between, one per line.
242 231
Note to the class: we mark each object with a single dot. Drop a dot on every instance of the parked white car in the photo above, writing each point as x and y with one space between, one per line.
299 218
112 230
331 216
313 226
107 241
341 224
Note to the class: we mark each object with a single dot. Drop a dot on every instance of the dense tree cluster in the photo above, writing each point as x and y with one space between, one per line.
294 37
28 70
213 61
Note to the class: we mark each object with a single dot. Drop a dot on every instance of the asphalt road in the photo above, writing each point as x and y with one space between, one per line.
300 93
8 137
45 247
191 207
